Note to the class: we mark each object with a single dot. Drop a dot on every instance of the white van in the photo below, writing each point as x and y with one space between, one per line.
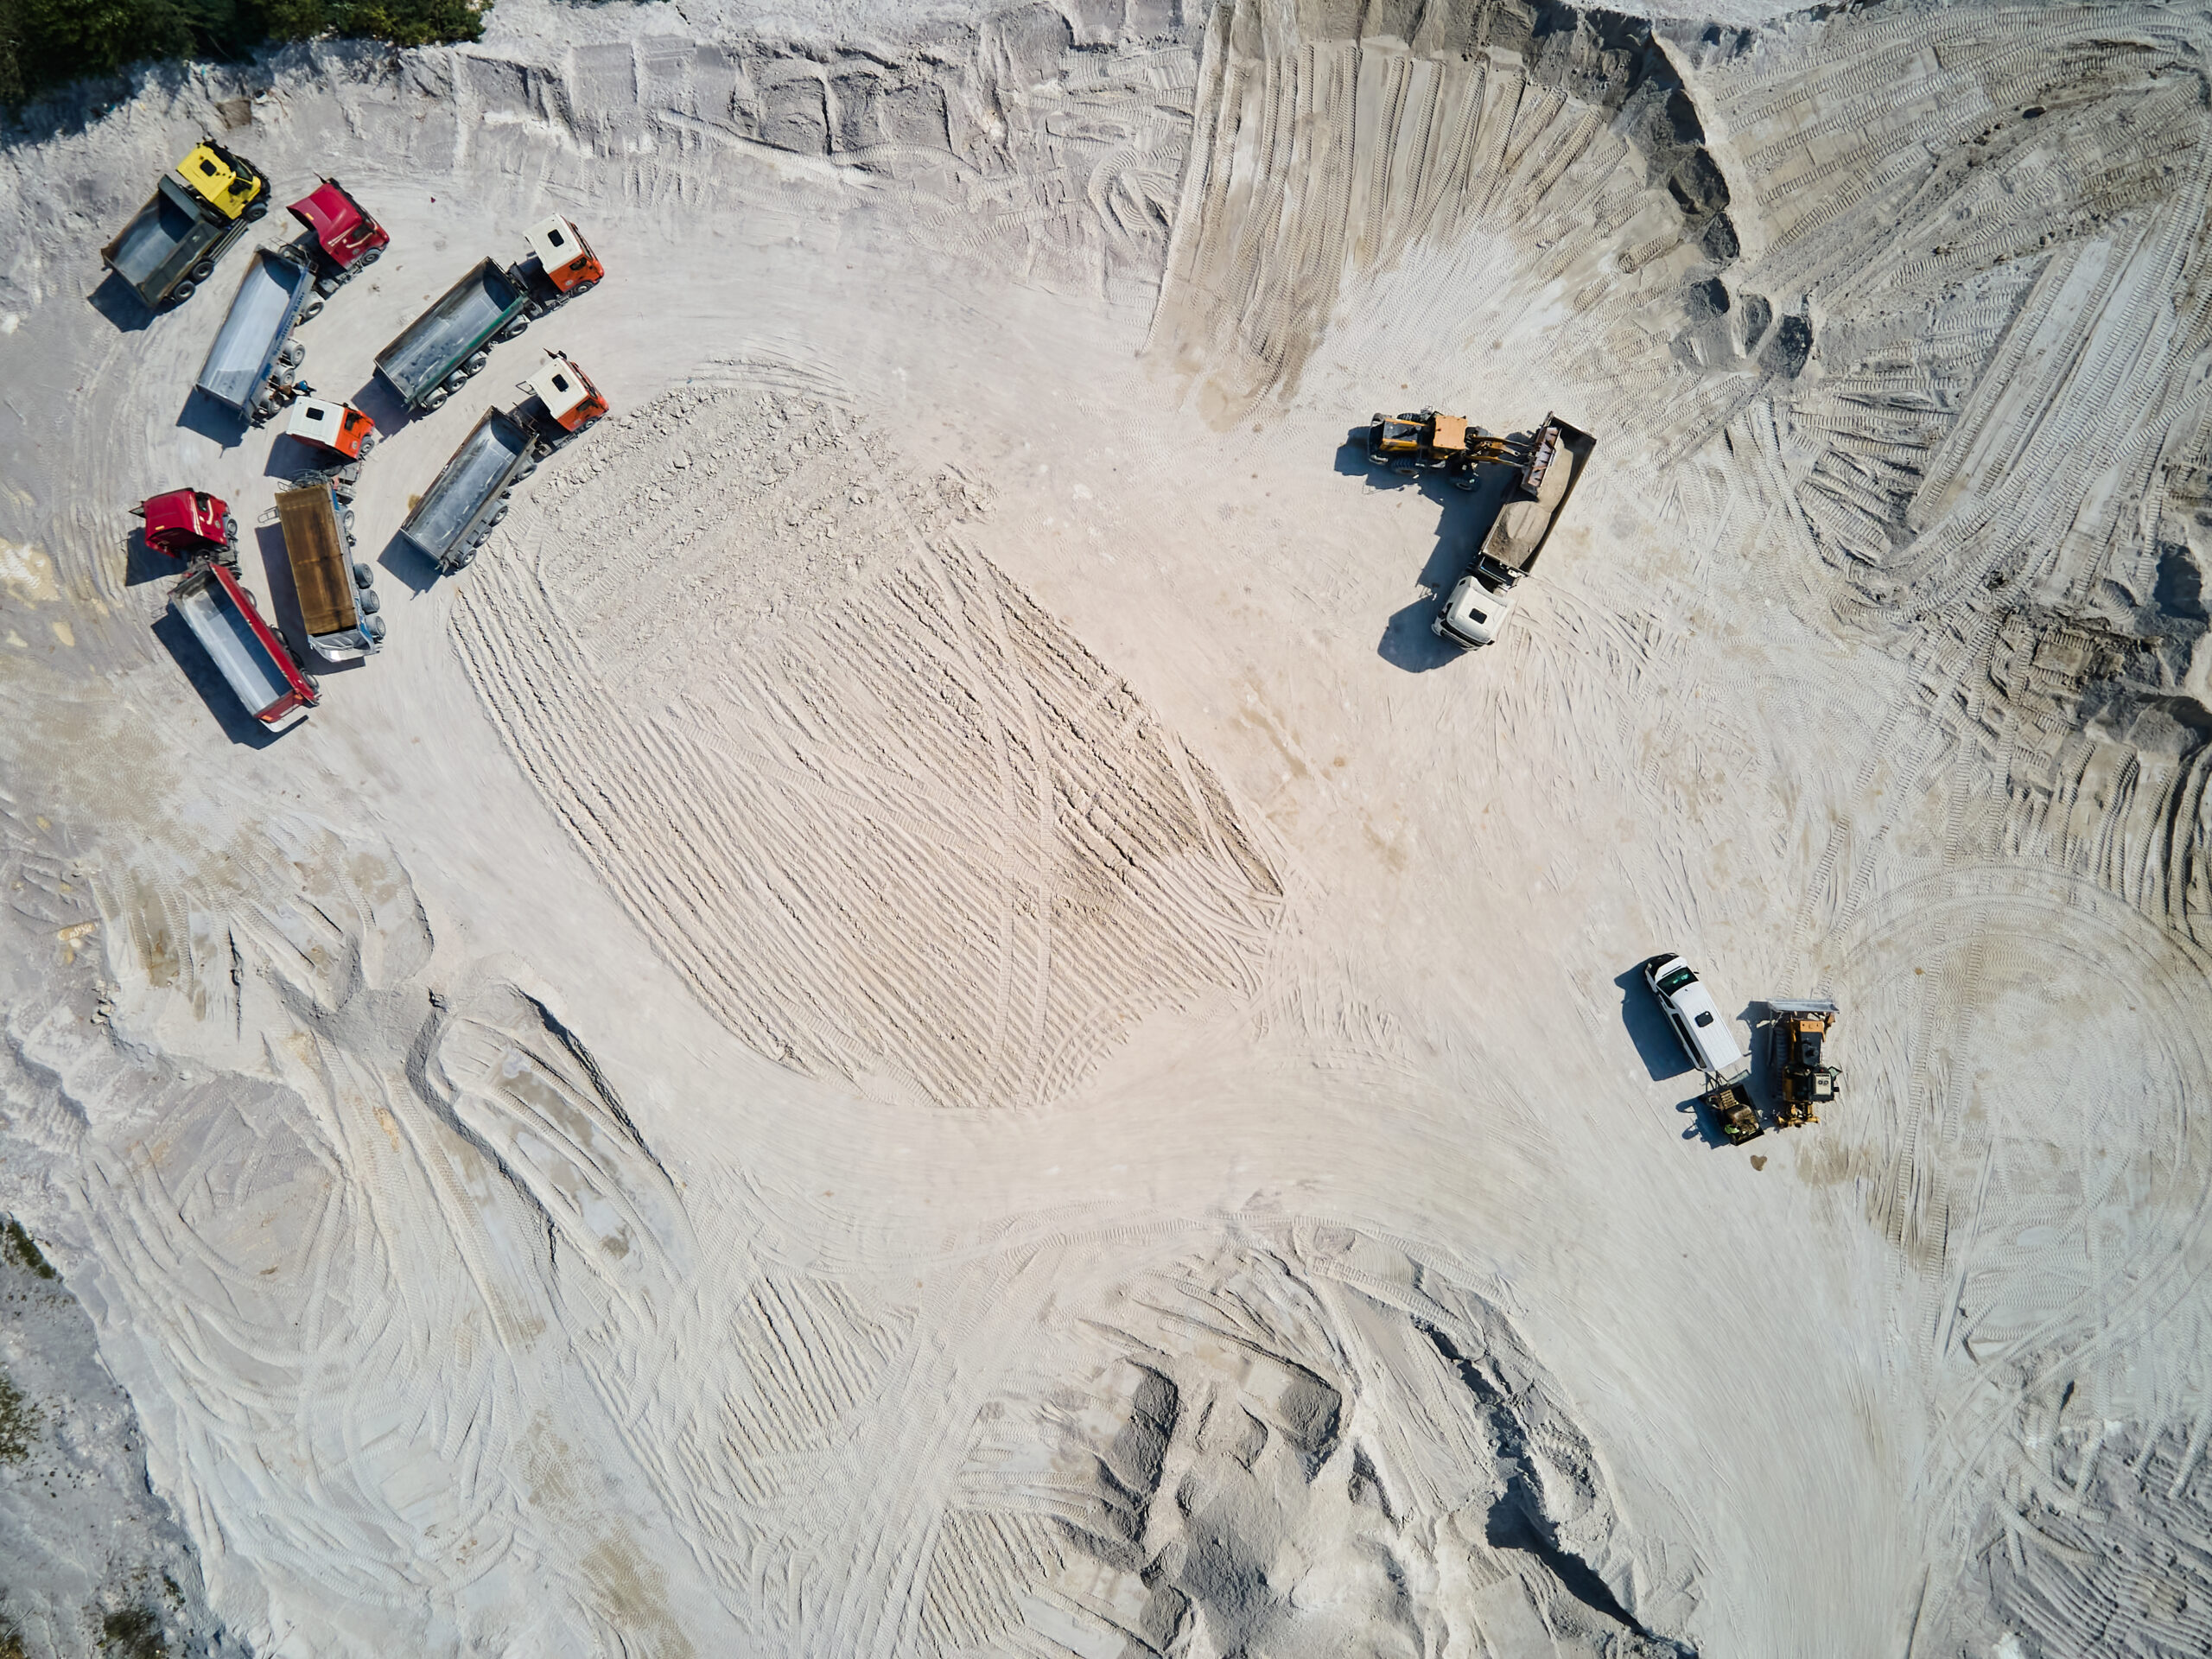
1707 1039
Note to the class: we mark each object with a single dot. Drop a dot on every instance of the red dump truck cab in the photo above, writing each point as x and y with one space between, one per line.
344 233
564 255
190 525
340 428
256 664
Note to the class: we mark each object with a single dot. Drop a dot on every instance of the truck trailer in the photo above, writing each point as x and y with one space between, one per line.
338 602
433 356
1481 601
252 367
258 667
197 211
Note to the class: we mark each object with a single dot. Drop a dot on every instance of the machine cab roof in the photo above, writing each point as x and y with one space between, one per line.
562 388
559 246
340 224
218 176
334 426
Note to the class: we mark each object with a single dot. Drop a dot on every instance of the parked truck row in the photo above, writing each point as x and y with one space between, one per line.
169 249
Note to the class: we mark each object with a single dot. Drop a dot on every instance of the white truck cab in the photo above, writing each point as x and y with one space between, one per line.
1706 1038
1475 612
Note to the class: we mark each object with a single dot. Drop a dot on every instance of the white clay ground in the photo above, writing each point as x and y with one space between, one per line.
922 1018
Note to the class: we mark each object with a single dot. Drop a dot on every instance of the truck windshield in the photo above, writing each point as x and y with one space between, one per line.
1676 980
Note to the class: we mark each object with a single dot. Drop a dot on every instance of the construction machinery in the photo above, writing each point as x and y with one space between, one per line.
190 526
252 368
1729 1100
1409 443
343 240
258 667
434 356
1550 464
1801 1028
471 493
338 600
197 211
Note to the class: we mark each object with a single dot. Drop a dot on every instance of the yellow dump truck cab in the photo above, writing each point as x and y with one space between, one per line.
221 179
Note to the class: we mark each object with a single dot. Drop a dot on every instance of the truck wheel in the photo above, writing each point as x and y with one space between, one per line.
256 209
372 257
373 627
495 517
514 330
437 398
363 576
293 354
327 286
457 379
230 529
203 270
349 521
368 443
181 292
475 365
369 602
311 310
534 310
583 287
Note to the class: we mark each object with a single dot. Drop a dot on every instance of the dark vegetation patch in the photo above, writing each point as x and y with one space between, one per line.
21 1249
18 1422
47 44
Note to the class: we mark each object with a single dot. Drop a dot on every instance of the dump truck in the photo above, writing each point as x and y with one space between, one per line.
338 600
1800 1025
1481 602
259 668
190 526
1409 443
343 240
170 246
436 354
252 367
471 493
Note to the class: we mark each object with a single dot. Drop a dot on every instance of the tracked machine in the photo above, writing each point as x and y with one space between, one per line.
1808 1083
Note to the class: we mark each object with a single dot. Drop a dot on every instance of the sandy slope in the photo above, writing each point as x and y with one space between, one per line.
920 1018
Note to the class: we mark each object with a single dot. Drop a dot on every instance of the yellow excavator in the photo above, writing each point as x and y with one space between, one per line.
1406 443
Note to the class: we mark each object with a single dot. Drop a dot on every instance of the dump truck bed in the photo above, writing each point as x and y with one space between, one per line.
154 234
490 455
261 316
467 314
238 644
1524 525
315 542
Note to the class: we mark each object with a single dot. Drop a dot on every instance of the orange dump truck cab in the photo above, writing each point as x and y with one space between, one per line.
564 255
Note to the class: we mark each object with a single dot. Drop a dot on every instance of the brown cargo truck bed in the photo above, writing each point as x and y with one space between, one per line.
315 544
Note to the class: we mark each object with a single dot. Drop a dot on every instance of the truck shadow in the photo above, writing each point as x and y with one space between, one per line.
408 566
203 414
1657 1044
204 678
118 302
1463 518
142 564
382 405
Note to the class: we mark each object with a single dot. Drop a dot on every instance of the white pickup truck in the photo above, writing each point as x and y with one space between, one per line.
1479 604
